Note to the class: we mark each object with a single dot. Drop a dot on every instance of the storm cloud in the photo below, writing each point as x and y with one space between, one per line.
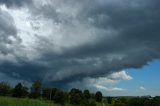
65 41
15 3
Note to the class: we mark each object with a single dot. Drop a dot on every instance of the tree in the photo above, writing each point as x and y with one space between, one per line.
109 100
5 89
52 93
59 97
123 100
86 94
76 96
20 90
36 89
46 93
98 96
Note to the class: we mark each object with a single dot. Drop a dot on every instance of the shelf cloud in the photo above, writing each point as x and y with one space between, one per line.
64 41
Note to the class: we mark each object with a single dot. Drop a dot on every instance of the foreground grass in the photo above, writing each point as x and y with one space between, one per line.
9 101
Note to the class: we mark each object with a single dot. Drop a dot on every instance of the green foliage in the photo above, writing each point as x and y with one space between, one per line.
59 97
20 91
99 104
98 96
123 100
8 101
86 94
155 101
119 104
143 101
53 91
5 89
36 89
76 96
92 95
92 102
109 99
46 93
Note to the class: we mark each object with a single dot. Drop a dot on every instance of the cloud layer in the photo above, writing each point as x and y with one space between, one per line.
61 42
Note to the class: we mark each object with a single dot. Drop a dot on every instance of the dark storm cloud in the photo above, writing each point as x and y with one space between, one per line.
22 71
8 33
138 37
126 35
15 3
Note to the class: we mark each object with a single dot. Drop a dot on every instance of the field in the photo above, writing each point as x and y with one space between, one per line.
9 101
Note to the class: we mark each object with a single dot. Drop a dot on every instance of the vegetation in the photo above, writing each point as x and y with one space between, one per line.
20 91
98 96
9 101
36 90
45 96
5 89
74 97
133 101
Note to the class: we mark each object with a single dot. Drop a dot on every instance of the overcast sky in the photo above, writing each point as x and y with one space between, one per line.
89 44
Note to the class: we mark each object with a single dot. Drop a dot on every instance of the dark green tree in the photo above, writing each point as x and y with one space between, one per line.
53 91
86 94
59 97
123 100
20 90
76 97
36 89
98 96
5 89
109 100
47 93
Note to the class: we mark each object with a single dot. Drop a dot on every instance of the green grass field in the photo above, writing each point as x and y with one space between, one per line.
9 101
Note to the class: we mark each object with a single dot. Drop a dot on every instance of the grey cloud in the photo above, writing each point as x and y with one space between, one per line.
15 3
8 43
137 37
98 38
8 33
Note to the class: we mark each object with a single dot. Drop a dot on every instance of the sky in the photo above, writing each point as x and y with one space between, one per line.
106 45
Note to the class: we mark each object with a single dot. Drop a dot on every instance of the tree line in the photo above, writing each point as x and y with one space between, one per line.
133 101
75 96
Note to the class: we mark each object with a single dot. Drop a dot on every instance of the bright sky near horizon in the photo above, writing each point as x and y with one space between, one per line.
145 81
107 45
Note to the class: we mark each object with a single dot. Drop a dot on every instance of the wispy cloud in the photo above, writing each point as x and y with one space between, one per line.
110 89
142 88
